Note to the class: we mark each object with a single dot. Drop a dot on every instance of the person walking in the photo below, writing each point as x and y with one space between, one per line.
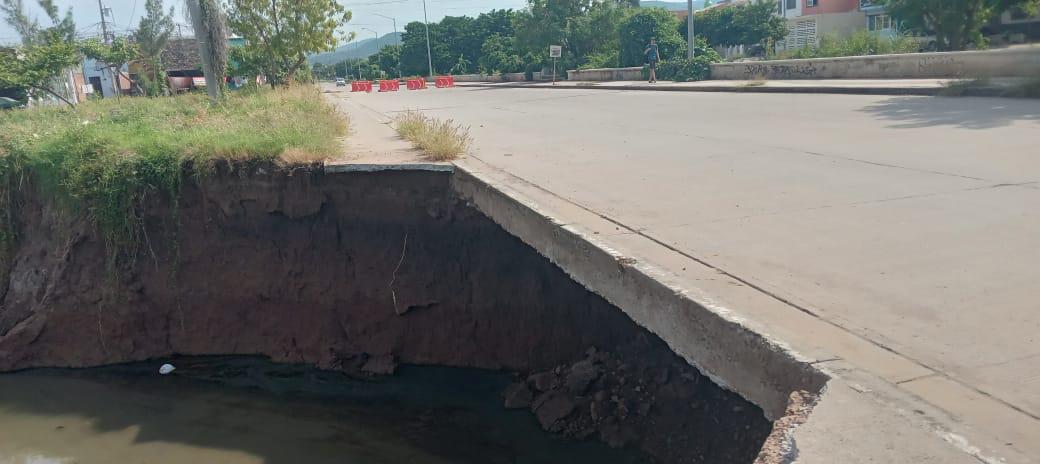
652 57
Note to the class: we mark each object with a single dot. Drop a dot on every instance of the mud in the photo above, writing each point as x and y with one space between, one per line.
356 272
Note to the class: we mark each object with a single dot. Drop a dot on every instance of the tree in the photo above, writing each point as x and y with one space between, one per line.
499 55
208 21
45 53
32 68
280 34
389 59
29 29
637 30
754 23
956 24
114 56
153 33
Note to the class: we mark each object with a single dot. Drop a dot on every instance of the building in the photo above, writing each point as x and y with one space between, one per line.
809 20
102 81
1013 27
183 64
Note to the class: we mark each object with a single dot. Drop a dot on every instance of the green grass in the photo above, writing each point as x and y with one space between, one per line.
105 157
439 140
858 44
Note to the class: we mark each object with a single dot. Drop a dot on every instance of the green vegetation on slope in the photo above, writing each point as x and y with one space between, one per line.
104 157
859 44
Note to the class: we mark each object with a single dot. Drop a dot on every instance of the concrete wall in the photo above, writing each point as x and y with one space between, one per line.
508 77
606 74
1015 62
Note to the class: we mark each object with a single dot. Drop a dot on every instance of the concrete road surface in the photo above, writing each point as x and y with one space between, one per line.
911 222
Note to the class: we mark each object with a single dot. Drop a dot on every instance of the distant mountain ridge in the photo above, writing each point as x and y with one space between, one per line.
361 49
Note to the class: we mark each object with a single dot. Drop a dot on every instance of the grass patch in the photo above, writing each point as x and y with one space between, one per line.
1008 88
105 157
861 43
440 140
957 88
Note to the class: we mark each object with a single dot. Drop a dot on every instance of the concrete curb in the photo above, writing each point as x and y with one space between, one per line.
922 91
823 89
711 337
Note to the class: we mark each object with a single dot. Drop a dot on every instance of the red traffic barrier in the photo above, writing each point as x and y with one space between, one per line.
387 85
416 84
445 81
361 86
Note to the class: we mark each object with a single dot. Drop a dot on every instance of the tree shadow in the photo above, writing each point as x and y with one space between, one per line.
960 112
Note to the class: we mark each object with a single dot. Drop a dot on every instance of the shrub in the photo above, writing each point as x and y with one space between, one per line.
685 69
637 30
858 44
440 140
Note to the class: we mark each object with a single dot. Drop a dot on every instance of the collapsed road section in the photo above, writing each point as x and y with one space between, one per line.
363 268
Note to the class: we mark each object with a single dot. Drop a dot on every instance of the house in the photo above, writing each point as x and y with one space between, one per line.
809 20
1013 27
183 64
102 81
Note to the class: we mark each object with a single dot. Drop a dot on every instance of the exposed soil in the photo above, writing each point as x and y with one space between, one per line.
357 272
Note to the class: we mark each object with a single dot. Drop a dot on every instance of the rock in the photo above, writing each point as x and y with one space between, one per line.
581 375
617 436
380 365
599 410
542 381
551 408
661 376
643 409
518 396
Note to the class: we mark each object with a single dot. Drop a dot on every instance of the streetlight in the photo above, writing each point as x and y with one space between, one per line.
374 33
398 42
691 51
429 55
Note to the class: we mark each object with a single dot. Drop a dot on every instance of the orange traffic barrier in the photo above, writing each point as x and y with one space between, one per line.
361 86
387 85
445 81
416 84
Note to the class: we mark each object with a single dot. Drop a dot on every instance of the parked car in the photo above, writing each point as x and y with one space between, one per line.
341 82
8 103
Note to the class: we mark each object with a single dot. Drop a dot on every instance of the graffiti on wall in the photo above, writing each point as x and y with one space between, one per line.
779 70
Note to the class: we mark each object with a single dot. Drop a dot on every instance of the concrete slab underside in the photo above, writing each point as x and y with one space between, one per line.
895 234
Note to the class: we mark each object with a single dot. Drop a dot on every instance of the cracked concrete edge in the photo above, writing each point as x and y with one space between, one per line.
706 334
335 168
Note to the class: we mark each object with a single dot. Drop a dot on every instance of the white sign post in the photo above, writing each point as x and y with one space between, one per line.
555 52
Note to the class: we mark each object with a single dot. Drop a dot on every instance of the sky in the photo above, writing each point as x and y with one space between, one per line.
127 13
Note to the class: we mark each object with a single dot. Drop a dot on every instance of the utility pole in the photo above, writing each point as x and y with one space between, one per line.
398 42
104 24
691 51
429 55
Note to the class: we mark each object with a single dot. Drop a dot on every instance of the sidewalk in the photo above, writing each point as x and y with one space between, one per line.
836 86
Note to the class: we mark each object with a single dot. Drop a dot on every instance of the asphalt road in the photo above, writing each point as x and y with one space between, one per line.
911 221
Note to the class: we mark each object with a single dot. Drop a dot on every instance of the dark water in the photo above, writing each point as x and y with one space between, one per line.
248 410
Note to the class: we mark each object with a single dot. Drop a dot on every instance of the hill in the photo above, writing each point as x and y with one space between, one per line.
362 49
